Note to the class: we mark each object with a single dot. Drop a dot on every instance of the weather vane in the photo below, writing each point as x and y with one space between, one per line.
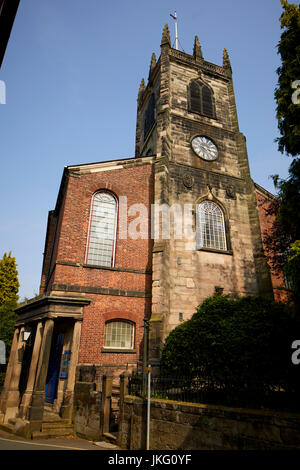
176 32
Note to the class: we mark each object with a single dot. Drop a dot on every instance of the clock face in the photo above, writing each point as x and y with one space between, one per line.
204 148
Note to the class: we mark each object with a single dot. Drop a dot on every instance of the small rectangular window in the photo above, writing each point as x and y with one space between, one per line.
119 335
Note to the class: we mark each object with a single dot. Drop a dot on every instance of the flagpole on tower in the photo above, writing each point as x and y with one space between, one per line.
176 32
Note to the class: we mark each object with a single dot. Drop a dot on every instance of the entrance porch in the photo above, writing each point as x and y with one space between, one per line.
42 364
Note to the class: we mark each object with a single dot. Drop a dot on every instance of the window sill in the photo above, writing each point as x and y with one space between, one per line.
214 250
202 114
124 351
122 270
97 266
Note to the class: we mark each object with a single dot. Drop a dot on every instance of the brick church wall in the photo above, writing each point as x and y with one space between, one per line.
264 200
120 292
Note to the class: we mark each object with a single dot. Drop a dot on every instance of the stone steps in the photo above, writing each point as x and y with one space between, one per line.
51 434
50 428
54 429
64 423
7 428
109 437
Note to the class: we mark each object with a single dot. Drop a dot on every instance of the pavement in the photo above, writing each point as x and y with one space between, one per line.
71 443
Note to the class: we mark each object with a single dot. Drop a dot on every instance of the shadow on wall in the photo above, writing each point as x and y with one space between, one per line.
185 426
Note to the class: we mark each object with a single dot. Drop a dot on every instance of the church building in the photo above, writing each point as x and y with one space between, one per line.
134 245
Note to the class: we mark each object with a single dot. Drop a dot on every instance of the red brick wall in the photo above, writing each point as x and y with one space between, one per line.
101 309
266 222
136 183
48 248
52 240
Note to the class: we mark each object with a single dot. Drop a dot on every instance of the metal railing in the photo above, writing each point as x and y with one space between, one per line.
211 391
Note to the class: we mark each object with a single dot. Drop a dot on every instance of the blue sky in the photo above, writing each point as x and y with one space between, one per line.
72 71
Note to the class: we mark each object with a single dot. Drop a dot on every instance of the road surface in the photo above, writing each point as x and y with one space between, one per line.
12 442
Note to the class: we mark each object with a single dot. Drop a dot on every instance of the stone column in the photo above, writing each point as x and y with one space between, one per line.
36 409
67 407
32 371
9 370
62 382
13 394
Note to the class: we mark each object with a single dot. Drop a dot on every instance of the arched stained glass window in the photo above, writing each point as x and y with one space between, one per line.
201 99
102 231
210 226
119 334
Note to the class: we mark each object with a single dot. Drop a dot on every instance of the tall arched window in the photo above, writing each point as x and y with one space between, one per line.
201 99
210 226
102 231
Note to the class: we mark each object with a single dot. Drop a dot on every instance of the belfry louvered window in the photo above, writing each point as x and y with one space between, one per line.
150 115
210 226
102 231
201 99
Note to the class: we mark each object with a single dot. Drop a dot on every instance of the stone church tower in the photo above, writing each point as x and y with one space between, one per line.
187 117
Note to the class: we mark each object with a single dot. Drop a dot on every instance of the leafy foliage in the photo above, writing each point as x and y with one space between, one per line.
245 340
9 284
289 197
285 230
293 270
7 323
7 326
287 112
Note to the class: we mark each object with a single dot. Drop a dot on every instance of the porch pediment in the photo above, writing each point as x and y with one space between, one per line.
48 306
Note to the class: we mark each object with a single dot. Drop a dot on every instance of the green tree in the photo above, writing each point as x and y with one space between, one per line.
293 270
7 326
9 283
246 340
285 209
286 229
9 286
288 111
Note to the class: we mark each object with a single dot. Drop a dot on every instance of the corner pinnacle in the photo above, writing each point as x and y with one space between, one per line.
152 64
197 49
226 60
165 40
141 89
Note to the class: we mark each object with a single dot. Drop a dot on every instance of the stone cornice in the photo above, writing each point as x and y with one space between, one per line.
104 268
264 192
100 290
108 165
201 170
202 64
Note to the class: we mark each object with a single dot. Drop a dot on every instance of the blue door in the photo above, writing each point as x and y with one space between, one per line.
53 368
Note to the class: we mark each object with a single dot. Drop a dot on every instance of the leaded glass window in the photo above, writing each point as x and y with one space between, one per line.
119 334
102 231
210 226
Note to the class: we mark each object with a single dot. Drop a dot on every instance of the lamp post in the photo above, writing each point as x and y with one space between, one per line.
145 351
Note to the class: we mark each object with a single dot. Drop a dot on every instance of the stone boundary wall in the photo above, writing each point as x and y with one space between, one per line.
87 411
187 426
